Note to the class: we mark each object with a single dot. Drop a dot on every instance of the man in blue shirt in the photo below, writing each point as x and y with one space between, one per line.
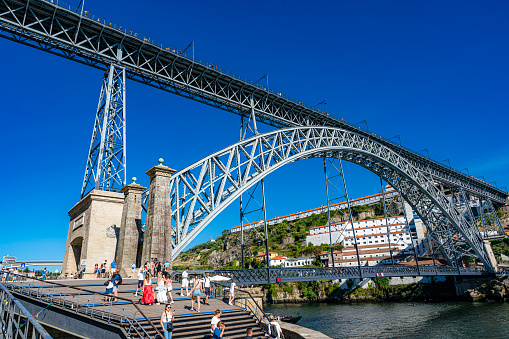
113 268
218 332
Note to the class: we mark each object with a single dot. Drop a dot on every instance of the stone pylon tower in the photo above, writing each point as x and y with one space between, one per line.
129 239
157 239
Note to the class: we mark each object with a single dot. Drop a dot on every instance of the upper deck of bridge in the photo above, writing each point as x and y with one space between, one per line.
79 35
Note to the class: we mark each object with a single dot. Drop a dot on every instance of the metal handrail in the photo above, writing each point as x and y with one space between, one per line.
94 293
258 308
38 330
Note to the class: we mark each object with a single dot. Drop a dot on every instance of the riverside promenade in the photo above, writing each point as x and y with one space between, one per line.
78 307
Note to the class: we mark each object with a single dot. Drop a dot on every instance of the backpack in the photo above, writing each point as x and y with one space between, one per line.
273 331
119 279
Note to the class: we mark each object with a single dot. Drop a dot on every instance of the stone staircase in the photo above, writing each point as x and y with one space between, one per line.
194 326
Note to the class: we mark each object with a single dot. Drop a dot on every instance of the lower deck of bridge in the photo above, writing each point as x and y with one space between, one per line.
95 303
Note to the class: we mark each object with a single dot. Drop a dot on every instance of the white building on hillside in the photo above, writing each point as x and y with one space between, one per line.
371 236
291 262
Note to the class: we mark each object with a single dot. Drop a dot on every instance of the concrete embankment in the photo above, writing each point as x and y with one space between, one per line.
293 331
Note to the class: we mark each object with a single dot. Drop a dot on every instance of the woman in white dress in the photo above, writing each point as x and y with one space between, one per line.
161 289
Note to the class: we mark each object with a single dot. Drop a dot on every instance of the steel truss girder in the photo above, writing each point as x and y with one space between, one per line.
260 276
202 190
490 223
106 162
60 31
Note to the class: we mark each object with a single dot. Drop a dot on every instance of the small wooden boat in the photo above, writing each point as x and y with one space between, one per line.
290 319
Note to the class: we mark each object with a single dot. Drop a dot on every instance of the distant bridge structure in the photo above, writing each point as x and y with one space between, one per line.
201 191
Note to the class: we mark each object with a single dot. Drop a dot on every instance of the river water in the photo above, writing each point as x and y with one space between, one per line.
402 320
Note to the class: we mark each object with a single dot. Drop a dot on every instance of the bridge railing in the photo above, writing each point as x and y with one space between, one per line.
273 275
82 301
246 299
16 321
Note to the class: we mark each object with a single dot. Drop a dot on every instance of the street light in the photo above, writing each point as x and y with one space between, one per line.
399 138
448 162
324 103
427 152
266 77
465 169
365 122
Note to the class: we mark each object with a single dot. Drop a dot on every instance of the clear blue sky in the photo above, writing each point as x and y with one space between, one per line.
434 72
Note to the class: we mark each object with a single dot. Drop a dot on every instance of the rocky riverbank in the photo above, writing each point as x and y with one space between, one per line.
496 289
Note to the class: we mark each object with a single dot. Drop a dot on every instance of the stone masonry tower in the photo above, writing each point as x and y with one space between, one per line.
130 228
157 238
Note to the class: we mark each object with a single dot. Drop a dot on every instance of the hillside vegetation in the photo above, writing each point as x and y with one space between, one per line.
286 238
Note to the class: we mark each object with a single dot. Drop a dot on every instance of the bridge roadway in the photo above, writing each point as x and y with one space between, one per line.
94 41
259 276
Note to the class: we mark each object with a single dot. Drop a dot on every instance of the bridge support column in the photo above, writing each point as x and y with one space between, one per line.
93 232
491 256
157 238
130 228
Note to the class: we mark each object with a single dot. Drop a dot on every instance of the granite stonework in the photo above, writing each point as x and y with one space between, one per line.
294 331
157 238
130 229
93 232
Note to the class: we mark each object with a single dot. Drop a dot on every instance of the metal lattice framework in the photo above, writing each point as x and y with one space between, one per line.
82 37
106 162
202 190
264 276
16 322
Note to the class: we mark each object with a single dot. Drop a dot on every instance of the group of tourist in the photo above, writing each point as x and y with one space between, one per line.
112 285
105 270
217 326
11 273
161 293
162 290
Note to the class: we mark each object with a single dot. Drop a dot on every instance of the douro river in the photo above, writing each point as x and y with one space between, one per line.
402 320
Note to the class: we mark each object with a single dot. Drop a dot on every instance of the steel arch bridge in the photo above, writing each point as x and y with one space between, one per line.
77 35
202 190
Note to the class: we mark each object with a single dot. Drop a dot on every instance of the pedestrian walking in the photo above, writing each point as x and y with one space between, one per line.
96 271
141 276
133 268
166 321
169 286
185 281
215 320
44 274
109 290
232 292
206 285
113 267
116 280
219 331
148 291
196 292
161 289
275 331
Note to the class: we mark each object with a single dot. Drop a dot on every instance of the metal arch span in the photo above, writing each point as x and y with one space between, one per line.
201 191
